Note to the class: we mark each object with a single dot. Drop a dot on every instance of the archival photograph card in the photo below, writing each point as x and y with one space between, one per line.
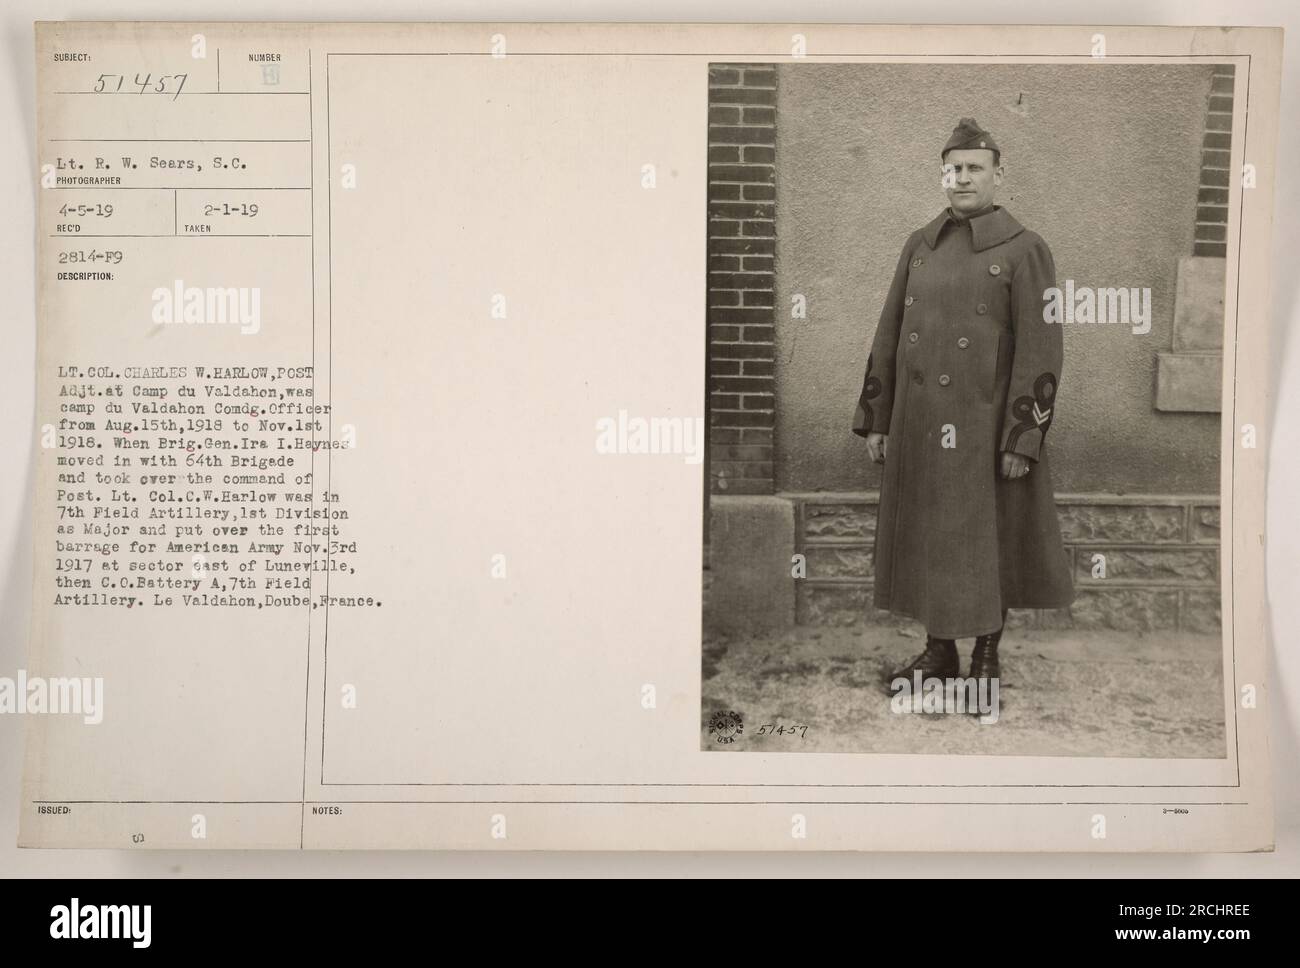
650 437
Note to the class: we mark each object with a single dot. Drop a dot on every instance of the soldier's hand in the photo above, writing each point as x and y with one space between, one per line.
1013 466
876 445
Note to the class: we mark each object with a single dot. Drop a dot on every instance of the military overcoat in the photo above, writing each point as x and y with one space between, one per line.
963 367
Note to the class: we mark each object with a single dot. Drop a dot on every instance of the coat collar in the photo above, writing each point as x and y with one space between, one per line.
987 230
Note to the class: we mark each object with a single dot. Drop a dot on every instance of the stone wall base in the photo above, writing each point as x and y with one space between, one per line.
1141 562
748 584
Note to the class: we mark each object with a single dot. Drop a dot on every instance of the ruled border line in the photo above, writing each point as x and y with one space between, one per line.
856 58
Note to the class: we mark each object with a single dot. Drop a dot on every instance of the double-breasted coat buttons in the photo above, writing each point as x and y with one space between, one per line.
908 301
916 263
981 309
987 371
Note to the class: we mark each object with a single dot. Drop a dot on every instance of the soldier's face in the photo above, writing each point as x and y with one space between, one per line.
971 179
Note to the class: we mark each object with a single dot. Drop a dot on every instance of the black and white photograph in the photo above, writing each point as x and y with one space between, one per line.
452 444
965 359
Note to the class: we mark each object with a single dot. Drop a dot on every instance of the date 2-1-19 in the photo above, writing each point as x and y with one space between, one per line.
171 84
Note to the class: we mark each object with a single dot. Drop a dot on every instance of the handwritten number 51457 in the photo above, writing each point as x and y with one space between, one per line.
171 84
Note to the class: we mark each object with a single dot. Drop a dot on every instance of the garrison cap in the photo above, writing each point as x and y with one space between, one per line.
969 134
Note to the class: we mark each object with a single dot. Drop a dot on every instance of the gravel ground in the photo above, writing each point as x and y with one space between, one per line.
1061 693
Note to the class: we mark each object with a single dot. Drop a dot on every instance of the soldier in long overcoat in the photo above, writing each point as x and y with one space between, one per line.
959 394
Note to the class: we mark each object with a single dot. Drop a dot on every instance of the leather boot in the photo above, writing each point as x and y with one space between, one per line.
984 657
938 661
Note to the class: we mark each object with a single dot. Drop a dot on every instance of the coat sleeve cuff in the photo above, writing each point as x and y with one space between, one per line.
1027 443
1029 417
870 420
861 421
873 410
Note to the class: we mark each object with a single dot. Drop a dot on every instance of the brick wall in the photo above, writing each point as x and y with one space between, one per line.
1161 556
1161 549
1212 197
1189 375
742 279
